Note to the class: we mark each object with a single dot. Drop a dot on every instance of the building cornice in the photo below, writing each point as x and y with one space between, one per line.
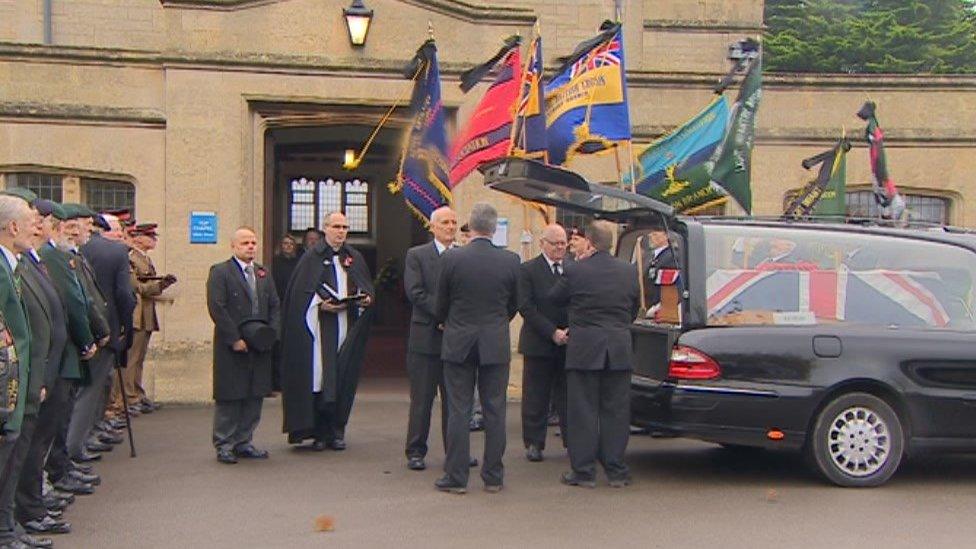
76 114
683 25
472 12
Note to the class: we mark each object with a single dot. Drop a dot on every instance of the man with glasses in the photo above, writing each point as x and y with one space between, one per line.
326 314
542 341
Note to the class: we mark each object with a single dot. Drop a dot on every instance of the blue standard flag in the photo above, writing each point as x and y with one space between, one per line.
586 101
423 176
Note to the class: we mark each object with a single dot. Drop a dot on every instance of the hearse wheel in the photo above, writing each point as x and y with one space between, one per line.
856 441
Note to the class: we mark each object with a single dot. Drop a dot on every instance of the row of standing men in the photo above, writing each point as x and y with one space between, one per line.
77 303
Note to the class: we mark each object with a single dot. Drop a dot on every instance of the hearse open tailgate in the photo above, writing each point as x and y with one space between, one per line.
537 182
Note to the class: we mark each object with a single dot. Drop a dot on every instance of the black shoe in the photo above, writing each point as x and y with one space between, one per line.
416 463
116 423
85 457
226 456
134 411
145 408
15 544
476 424
315 446
68 497
47 525
87 469
445 484
553 419
56 515
473 462
248 451
55 504
620 482
110 438
572 479
151 404
94 480
338 444
493 488
31 541
96 446
73 486
533 453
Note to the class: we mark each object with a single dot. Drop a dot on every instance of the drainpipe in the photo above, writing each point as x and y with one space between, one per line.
47 22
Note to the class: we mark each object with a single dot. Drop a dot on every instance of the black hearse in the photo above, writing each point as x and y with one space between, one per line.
854 344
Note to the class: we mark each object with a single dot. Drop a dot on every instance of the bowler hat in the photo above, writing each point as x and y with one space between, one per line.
257 334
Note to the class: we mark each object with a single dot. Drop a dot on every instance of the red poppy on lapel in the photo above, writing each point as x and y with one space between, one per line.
347 261
261 272
71 263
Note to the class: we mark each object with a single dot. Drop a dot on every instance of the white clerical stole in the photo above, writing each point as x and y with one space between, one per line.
312 321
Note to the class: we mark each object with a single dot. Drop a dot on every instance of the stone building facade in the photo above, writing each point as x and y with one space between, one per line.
244 108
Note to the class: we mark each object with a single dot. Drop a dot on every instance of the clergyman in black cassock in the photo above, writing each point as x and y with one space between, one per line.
476 300
240 290
424 365
323 341
603 297
542 342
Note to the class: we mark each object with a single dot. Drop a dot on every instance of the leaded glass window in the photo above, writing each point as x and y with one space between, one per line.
104 194
310 199
44 185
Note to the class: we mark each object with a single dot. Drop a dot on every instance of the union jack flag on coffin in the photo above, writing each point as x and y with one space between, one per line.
903 298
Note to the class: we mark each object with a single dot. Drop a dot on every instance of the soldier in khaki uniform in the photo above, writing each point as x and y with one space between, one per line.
148 286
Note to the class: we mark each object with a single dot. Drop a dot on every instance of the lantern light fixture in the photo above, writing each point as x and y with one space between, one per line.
358 18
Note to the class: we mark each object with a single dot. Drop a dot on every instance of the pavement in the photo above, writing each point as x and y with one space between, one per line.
685 494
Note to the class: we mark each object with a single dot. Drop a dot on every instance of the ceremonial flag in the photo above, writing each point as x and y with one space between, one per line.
423 175
586 101
530 116
732 166
488 133
825 194
885 192
673 170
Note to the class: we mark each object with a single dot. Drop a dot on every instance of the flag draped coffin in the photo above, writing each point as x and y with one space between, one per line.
904 298
586 100
673 169
488 133
423 177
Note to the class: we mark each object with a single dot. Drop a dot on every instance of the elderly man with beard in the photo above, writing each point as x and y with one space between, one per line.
325 323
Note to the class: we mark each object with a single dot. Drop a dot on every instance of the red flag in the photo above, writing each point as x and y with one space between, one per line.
488 133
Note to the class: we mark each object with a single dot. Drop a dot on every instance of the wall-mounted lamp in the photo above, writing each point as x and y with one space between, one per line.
351 161
358 17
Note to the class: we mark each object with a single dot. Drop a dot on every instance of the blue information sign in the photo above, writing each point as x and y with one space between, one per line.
203 227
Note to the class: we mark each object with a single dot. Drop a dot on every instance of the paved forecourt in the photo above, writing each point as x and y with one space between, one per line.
686 494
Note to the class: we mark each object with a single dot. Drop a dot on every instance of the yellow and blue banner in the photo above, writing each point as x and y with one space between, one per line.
530 115
586 101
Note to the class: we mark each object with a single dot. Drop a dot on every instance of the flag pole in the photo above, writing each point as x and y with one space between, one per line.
630 158
355 161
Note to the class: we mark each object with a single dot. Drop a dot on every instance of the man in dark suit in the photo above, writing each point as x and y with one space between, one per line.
424 365
240 290
542 341
476 299
603 298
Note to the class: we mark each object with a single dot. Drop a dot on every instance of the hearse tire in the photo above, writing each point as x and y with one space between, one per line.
857 441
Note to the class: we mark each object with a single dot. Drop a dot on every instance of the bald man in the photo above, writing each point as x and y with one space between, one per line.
424 365
243 304
542 341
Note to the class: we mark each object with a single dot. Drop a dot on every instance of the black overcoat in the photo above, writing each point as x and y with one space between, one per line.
239 375
340 366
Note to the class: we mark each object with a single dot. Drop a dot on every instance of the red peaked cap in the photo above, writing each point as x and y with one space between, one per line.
144 229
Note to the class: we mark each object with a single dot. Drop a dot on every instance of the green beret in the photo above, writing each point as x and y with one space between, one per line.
75 211
21 192
57 210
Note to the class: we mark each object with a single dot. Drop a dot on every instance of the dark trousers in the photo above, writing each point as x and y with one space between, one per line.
90 402
542 378
599 421
426 377
235 421
50 416
58 462
492 382
11 476
7 446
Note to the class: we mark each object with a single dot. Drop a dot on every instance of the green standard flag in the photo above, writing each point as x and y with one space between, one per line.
825 194
732 166
833 201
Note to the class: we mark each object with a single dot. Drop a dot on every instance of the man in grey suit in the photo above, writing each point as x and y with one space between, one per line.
243 304
603 297
424 365
476 299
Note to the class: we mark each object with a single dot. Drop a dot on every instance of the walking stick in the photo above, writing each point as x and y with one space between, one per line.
125 410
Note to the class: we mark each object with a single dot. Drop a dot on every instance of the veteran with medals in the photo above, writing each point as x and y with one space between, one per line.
326 316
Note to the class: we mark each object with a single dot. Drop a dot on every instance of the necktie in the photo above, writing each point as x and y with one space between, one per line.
252 285
557 269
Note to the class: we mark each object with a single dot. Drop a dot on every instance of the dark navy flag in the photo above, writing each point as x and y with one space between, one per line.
423 176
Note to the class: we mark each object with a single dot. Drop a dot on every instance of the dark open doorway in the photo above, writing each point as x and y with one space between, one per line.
309 181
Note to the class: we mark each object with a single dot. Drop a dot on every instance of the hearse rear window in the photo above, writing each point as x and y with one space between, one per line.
762 275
